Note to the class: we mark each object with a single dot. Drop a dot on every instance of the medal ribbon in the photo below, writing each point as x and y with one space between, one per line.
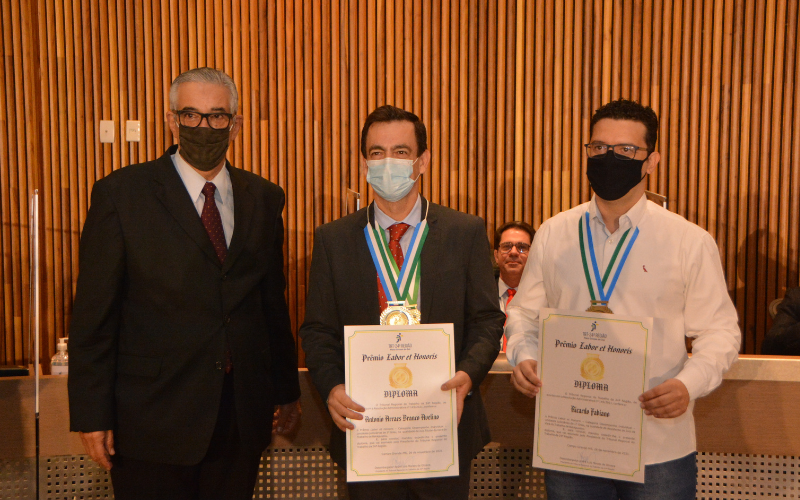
601 283
402 283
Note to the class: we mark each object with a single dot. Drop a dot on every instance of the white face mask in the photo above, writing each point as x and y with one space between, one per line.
391 177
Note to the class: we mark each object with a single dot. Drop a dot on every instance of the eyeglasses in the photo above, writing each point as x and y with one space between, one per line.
193 119
506 247
621 151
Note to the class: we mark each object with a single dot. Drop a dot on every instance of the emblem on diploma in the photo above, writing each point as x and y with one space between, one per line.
400 312
592 368
400 377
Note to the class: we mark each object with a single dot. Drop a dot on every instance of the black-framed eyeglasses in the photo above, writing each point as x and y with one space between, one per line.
621 151
506 247
193 119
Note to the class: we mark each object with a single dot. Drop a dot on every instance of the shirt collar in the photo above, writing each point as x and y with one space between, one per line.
194 182
501 286
629 219
412 219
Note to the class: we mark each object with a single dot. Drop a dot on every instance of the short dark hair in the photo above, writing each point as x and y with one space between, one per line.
514 224
624 109
394 114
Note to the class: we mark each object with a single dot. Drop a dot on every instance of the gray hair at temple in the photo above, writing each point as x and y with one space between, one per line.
204 75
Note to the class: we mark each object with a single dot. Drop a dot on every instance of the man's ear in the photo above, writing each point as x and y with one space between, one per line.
237 126
172 123
424 161
651 162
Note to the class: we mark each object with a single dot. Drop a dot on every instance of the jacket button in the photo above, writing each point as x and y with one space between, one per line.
224 277
219 365
227 319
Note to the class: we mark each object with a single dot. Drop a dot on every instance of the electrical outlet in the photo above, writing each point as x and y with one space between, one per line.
106 131
133 131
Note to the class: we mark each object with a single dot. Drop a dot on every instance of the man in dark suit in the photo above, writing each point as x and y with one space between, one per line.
783 338
181 344
456 286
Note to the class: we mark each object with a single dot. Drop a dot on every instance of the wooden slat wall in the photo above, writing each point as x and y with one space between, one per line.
506 88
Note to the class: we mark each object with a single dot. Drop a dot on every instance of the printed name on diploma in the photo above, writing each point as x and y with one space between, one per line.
403 418
590 411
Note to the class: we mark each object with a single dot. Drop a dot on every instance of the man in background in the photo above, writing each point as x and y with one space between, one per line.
512 241
783 338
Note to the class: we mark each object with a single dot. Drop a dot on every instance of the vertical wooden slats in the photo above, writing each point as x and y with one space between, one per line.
505 87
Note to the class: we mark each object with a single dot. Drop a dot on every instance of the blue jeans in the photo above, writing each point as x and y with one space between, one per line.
673 480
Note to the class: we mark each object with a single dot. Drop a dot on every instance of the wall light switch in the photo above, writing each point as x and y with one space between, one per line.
106 131
133 131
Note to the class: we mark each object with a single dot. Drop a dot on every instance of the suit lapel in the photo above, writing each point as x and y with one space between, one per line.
432 256
243 206
171 191
365 283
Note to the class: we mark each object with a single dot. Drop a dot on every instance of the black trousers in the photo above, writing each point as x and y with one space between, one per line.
226 471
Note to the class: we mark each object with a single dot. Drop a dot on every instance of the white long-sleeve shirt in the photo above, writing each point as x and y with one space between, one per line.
673 274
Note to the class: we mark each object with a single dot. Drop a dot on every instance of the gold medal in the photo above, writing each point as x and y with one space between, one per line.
400 313
598 306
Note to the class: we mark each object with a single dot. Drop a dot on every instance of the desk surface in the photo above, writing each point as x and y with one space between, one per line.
754 411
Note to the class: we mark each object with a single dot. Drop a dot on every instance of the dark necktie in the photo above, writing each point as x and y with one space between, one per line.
213 222
511 292
396 231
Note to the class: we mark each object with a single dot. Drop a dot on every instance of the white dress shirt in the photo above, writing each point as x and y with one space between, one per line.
223 196
412 219
673 274
502 289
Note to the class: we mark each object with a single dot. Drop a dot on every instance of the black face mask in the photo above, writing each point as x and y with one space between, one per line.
611 178
203 147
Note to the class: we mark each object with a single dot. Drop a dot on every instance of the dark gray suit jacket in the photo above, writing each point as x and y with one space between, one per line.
154 307
457 286
784 336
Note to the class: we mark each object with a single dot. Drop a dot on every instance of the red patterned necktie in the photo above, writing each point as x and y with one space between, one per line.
213 222
396 231
511 292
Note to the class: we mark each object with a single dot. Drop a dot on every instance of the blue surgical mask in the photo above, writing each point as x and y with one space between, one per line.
391 177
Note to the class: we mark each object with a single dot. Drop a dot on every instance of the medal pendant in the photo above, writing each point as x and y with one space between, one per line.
599 306
400 313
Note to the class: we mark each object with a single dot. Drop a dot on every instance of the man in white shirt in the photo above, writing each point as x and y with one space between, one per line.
512 241
673 274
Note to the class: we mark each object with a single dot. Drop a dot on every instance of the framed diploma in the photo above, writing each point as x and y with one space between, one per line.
409 430
593 368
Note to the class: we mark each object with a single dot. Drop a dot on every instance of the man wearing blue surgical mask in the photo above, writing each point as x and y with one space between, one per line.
456 285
